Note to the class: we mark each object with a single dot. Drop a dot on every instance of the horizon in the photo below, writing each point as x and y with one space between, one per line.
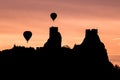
74 17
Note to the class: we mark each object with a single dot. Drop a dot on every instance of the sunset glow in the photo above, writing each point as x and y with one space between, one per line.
74 16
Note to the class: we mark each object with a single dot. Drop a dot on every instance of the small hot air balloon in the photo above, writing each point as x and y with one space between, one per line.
27 35
53 16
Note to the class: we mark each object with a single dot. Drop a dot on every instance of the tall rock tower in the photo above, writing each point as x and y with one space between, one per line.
92 56
55 39
92 50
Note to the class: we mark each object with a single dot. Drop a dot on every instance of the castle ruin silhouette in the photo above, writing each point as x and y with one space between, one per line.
55 38
86 59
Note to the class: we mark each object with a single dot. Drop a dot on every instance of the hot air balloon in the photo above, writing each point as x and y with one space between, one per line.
27 35
53 16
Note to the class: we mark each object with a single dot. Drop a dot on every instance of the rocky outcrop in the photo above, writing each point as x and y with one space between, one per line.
55 39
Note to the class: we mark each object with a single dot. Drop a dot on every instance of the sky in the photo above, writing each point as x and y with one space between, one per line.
74 17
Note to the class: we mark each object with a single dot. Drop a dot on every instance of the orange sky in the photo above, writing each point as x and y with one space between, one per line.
74 16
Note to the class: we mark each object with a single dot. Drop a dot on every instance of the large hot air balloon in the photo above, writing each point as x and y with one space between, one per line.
27 35
53 16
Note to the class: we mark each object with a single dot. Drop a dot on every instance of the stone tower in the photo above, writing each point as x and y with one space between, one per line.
55 38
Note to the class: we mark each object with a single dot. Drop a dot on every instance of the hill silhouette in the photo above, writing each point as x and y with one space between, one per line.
88 59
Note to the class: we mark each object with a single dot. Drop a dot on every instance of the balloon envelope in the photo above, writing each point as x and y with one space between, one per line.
53 16
27 35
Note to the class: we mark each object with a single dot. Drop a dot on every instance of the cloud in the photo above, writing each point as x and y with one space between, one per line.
115 58
97 8
116 39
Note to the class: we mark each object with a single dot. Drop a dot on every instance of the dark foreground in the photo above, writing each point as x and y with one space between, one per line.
87 61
